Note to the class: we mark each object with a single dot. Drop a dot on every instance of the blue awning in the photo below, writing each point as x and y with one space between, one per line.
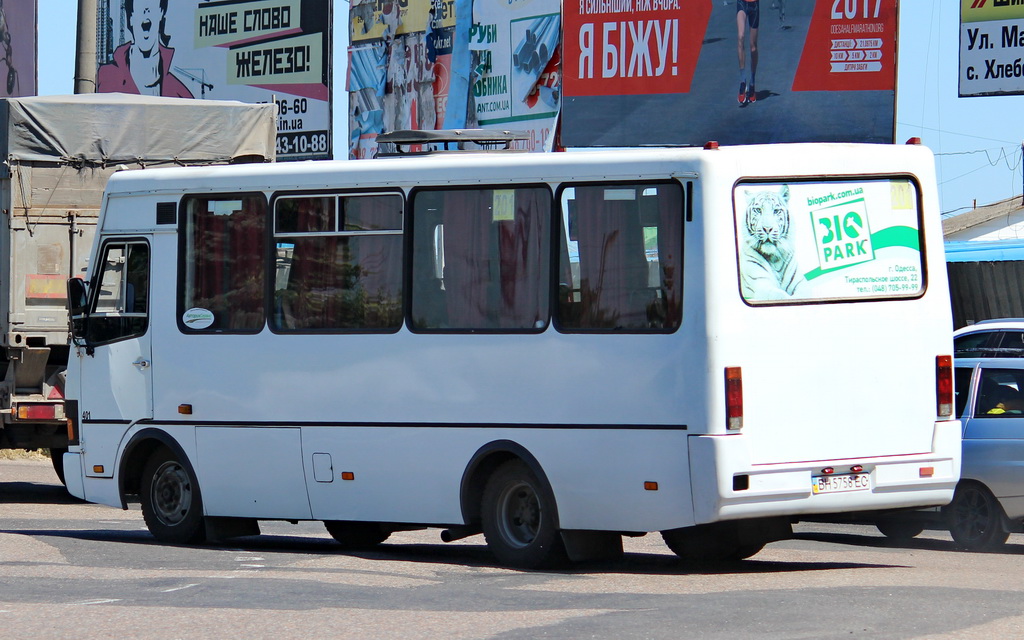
984 251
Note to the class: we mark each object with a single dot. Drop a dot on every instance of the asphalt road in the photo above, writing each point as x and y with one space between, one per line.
71 569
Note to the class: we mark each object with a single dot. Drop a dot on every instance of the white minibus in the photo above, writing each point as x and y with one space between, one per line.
554 350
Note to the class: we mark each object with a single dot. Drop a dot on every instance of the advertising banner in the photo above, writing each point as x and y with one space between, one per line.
517 62
399 61
254 51
991 48
739 71
828 240
18 39
451 64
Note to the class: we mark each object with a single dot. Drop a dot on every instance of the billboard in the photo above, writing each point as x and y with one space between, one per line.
443 64
18 48
683 72
991 40
254 51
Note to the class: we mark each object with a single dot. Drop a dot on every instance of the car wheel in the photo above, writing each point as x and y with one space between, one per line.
171 503
975 518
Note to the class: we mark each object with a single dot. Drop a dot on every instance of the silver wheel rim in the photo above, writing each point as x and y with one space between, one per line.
171 493
519 515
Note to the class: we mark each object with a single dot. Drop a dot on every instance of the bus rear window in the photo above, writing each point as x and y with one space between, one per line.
828 241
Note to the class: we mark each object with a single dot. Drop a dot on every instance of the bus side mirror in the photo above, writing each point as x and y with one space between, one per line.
78 305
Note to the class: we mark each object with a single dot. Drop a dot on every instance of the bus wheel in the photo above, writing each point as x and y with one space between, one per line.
519 518
171 504
975 518
57 458
708 543
357 535
899 530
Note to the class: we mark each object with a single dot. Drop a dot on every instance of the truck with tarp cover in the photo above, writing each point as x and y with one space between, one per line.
58 152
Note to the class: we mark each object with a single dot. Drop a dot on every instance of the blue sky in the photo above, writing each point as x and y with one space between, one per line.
977 141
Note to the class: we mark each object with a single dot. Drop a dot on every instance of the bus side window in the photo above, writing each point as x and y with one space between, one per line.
621 258
223 244
339 262
481 259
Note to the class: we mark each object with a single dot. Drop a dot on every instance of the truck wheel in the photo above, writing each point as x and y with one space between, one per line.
171 503
57 458
518 517
357 535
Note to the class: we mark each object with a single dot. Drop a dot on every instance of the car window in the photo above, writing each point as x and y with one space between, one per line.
1000 393
962 388
970 345
1011 344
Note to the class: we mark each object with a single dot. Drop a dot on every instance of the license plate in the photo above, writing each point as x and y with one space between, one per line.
837 484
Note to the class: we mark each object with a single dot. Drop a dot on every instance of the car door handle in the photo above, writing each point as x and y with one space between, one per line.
141 363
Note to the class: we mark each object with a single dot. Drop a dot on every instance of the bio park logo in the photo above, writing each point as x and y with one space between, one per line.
841 229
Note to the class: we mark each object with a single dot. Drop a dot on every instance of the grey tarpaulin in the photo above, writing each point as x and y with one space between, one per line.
113 128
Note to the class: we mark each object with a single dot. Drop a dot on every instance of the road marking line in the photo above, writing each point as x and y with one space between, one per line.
89 602
173 589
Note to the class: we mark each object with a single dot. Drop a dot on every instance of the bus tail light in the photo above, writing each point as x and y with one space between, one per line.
733 398
944 385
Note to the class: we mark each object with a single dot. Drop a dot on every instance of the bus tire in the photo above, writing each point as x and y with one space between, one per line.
975 518
357 535
519 519
711 543
899 530
171 503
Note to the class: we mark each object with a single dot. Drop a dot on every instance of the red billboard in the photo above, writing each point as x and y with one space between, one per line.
740 72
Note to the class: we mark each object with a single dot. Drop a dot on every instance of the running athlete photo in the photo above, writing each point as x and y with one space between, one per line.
748 14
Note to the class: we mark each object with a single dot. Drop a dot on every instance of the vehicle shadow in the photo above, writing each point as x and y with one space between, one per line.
35 493
881 542
462 555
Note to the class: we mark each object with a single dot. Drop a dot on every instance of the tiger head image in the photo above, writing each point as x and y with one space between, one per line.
768 269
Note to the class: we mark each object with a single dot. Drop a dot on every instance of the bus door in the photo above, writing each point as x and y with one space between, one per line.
117 376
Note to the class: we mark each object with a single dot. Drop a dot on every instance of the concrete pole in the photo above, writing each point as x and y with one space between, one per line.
85 52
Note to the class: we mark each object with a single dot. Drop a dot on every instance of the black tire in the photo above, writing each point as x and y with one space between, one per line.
901 530
519 518
357 535
975 518
711 543
57 458
172 505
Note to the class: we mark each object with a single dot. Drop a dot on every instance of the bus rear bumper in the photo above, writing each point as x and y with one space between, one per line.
746 490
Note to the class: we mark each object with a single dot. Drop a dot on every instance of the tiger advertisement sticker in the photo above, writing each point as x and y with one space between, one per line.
828 240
